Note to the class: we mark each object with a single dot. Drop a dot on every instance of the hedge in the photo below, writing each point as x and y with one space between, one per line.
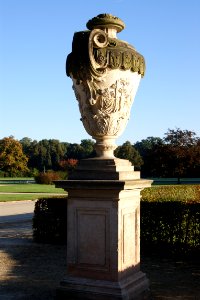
170 220
183 193
50 220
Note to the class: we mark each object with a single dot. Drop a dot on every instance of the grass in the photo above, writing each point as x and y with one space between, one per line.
16 178
14 197
28 192
30 188
160 193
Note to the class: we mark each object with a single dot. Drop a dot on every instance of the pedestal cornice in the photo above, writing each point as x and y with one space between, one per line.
103 184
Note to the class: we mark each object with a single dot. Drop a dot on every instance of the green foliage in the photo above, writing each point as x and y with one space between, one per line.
170 220
176 155
47 154
33 172
168 225
180 138
127 151
50 220
31 188
82 151
181 193
21 197
47 178
150 150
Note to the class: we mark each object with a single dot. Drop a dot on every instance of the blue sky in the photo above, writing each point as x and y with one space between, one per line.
36 97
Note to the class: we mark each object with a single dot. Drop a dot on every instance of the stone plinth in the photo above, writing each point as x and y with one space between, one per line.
103 242
105 169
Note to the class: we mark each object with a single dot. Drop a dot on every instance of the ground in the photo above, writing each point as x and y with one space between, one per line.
30 271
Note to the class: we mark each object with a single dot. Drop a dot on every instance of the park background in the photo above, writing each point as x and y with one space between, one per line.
39 113
36 97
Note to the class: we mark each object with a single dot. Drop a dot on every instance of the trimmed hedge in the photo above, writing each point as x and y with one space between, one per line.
170 220
50 220
184 193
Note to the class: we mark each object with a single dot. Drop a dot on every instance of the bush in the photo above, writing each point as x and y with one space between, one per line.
170 220
33 172
47 178
169 225
184 193
50 220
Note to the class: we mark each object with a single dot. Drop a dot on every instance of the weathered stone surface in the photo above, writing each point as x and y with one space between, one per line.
105 169
106 73
103 230
103 256
135 287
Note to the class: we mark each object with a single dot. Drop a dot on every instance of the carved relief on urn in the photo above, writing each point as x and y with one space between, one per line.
106 73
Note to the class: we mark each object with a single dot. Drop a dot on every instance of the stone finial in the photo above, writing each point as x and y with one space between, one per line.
106 21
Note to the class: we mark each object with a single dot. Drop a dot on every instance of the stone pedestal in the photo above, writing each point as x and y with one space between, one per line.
103 248
103 242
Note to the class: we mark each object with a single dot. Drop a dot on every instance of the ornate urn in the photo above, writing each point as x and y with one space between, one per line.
106 73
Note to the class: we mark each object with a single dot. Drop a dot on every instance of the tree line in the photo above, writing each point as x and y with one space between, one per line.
177 154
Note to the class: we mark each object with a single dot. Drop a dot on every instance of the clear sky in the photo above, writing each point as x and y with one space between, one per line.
36 97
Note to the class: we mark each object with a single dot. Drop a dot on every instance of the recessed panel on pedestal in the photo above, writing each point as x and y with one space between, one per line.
92 238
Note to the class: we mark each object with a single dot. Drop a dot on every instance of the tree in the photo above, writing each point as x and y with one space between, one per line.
127 151
181 152
194 164
12 159
180 138
45 154
74 151
88 148
151 150
81 151
68 164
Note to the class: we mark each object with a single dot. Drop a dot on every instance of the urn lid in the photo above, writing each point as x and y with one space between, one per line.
101 50
106 21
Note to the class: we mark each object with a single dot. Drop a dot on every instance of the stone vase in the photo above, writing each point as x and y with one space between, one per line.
103 217
106 73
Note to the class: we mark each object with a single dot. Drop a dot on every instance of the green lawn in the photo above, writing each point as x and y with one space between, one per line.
28 191
16 178
14 197
30 188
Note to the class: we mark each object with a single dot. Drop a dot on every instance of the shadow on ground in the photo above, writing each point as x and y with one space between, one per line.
30 271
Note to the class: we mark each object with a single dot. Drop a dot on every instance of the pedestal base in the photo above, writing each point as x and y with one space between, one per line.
135 287
103 238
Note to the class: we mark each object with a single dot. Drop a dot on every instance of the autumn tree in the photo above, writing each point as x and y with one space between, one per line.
12 159
68 164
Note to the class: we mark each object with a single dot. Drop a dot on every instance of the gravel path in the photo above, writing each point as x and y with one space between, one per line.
30 271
